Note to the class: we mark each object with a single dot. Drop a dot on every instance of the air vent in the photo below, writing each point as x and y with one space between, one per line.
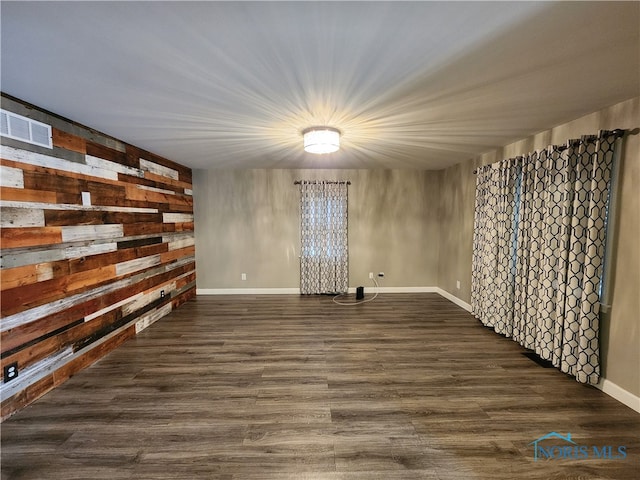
24 129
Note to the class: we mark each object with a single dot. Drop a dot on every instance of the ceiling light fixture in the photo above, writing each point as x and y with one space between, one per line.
321 139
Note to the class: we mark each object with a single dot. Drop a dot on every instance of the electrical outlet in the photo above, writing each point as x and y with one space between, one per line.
458 284
370 274
381 274
243 276
10 371
161 293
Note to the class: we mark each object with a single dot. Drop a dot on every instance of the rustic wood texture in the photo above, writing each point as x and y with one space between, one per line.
408 386
70 270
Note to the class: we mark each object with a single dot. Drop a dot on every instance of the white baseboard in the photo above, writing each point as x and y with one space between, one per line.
454 299
623 396
372 288
296 291
367 289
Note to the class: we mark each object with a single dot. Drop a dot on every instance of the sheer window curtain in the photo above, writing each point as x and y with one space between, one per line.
539 241
324 259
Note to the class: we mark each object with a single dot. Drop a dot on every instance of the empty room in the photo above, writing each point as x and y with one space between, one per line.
320 240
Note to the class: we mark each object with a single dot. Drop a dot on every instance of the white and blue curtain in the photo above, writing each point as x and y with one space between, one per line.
324 253
538 250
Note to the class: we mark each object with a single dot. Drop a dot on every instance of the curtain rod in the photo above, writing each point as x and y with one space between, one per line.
313 182
618 132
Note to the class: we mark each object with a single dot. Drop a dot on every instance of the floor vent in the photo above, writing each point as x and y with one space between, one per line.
543 363
24 129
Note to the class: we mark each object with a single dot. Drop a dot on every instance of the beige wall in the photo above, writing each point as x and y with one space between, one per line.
620 328
247 221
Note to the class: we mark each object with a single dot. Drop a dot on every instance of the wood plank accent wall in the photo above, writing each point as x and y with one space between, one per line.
97 241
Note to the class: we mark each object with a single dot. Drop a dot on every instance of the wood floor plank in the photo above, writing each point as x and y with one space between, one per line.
295 387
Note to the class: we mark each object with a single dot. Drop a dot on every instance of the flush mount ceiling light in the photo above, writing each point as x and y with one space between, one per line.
321 139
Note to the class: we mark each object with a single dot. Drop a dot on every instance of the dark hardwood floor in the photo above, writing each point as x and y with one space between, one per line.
289 387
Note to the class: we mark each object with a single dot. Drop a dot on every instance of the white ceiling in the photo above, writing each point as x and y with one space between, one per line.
232 84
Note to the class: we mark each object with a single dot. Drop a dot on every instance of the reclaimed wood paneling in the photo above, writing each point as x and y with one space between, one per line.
21 217
97 244
11 177
68 141
26 195
29 236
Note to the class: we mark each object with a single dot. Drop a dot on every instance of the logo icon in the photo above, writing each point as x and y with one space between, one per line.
547 453
565 448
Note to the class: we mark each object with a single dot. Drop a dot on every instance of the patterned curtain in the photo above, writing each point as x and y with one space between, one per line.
539 240
324 258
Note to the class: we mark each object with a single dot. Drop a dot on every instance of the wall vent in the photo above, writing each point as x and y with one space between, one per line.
24 129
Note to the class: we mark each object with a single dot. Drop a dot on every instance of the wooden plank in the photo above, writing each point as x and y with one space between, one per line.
159 180
34 372
79 217
177 217
68 141
130 229
41 160
10 259
29 236
140 242
60 370
25 275
89 250
11 177
158 169
183 171
17 217
184 227
19 299
31 354
38 180
15 277
183 281
145 182
102 151
148 297
116 167
177 253
152 317
137 264
125 287
134 193
183 297
100 335
182 243
114 306
120 203
96 208
175 208
91 232
13 338
84 263
156 189
11 404
37 177
27 195
21 257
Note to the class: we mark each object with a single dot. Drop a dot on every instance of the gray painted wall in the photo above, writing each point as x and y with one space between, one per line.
620 327
247 221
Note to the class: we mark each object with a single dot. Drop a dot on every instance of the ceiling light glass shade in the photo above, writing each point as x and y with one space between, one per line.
321 140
